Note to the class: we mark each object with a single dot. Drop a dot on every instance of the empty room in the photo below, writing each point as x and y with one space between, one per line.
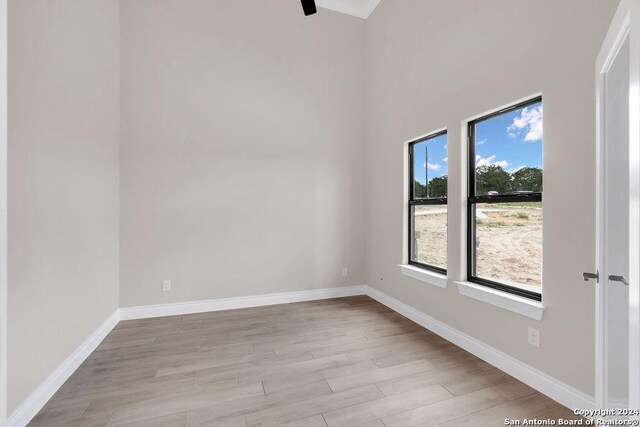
245 213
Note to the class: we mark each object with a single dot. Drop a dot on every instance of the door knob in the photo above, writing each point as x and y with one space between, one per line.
595 276
620 279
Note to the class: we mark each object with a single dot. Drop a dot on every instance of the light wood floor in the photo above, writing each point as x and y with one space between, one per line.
340 362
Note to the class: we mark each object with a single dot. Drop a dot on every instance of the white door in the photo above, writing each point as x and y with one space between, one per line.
618 219
615 271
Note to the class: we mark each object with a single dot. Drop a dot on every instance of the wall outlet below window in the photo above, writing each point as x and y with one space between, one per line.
166 285
533 337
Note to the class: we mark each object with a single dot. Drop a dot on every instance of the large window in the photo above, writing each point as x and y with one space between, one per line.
428 202
505 200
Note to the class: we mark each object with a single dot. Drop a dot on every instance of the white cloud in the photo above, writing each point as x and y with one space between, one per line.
481 161
481 142
516 169
434 166
490 161
446 159
529 121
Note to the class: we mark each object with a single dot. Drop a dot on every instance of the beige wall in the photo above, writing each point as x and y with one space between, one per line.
248 166
434 63
63 182
241 149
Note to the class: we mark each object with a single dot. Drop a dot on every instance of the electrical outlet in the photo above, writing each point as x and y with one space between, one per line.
166 285
345 272
533 337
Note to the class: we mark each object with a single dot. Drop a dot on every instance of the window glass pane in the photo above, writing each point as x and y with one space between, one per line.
508 244
508 150
429 235
430 168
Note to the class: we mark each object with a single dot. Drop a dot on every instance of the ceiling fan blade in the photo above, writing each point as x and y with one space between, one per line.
309 7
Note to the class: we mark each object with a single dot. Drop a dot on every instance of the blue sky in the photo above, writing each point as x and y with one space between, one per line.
512 140
436 148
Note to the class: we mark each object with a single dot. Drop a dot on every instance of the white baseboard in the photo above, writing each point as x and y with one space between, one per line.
545 384
146 311
36 400
30 407
542 382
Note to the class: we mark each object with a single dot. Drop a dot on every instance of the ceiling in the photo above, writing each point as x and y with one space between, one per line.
360 8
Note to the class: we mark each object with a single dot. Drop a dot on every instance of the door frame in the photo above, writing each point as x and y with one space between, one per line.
3 209
625 25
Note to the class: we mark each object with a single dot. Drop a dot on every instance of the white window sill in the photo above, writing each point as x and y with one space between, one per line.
430 277
505 300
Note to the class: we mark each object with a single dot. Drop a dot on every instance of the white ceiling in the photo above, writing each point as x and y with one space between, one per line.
360 8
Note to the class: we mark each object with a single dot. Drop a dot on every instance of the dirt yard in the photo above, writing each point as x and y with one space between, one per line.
509 242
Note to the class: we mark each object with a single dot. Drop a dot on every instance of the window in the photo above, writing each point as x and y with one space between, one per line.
505 200
428 202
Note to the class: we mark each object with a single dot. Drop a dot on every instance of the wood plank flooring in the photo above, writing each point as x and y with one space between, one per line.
341 362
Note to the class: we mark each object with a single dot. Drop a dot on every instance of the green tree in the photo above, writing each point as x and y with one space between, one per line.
438 187
492 178
527 179
419 190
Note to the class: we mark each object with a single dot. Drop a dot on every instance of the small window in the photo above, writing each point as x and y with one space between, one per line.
428 202
505 200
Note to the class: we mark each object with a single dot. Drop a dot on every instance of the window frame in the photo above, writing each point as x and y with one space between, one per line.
422 202
473 199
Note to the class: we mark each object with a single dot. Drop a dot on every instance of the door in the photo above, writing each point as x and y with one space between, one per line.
615 271
618 212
